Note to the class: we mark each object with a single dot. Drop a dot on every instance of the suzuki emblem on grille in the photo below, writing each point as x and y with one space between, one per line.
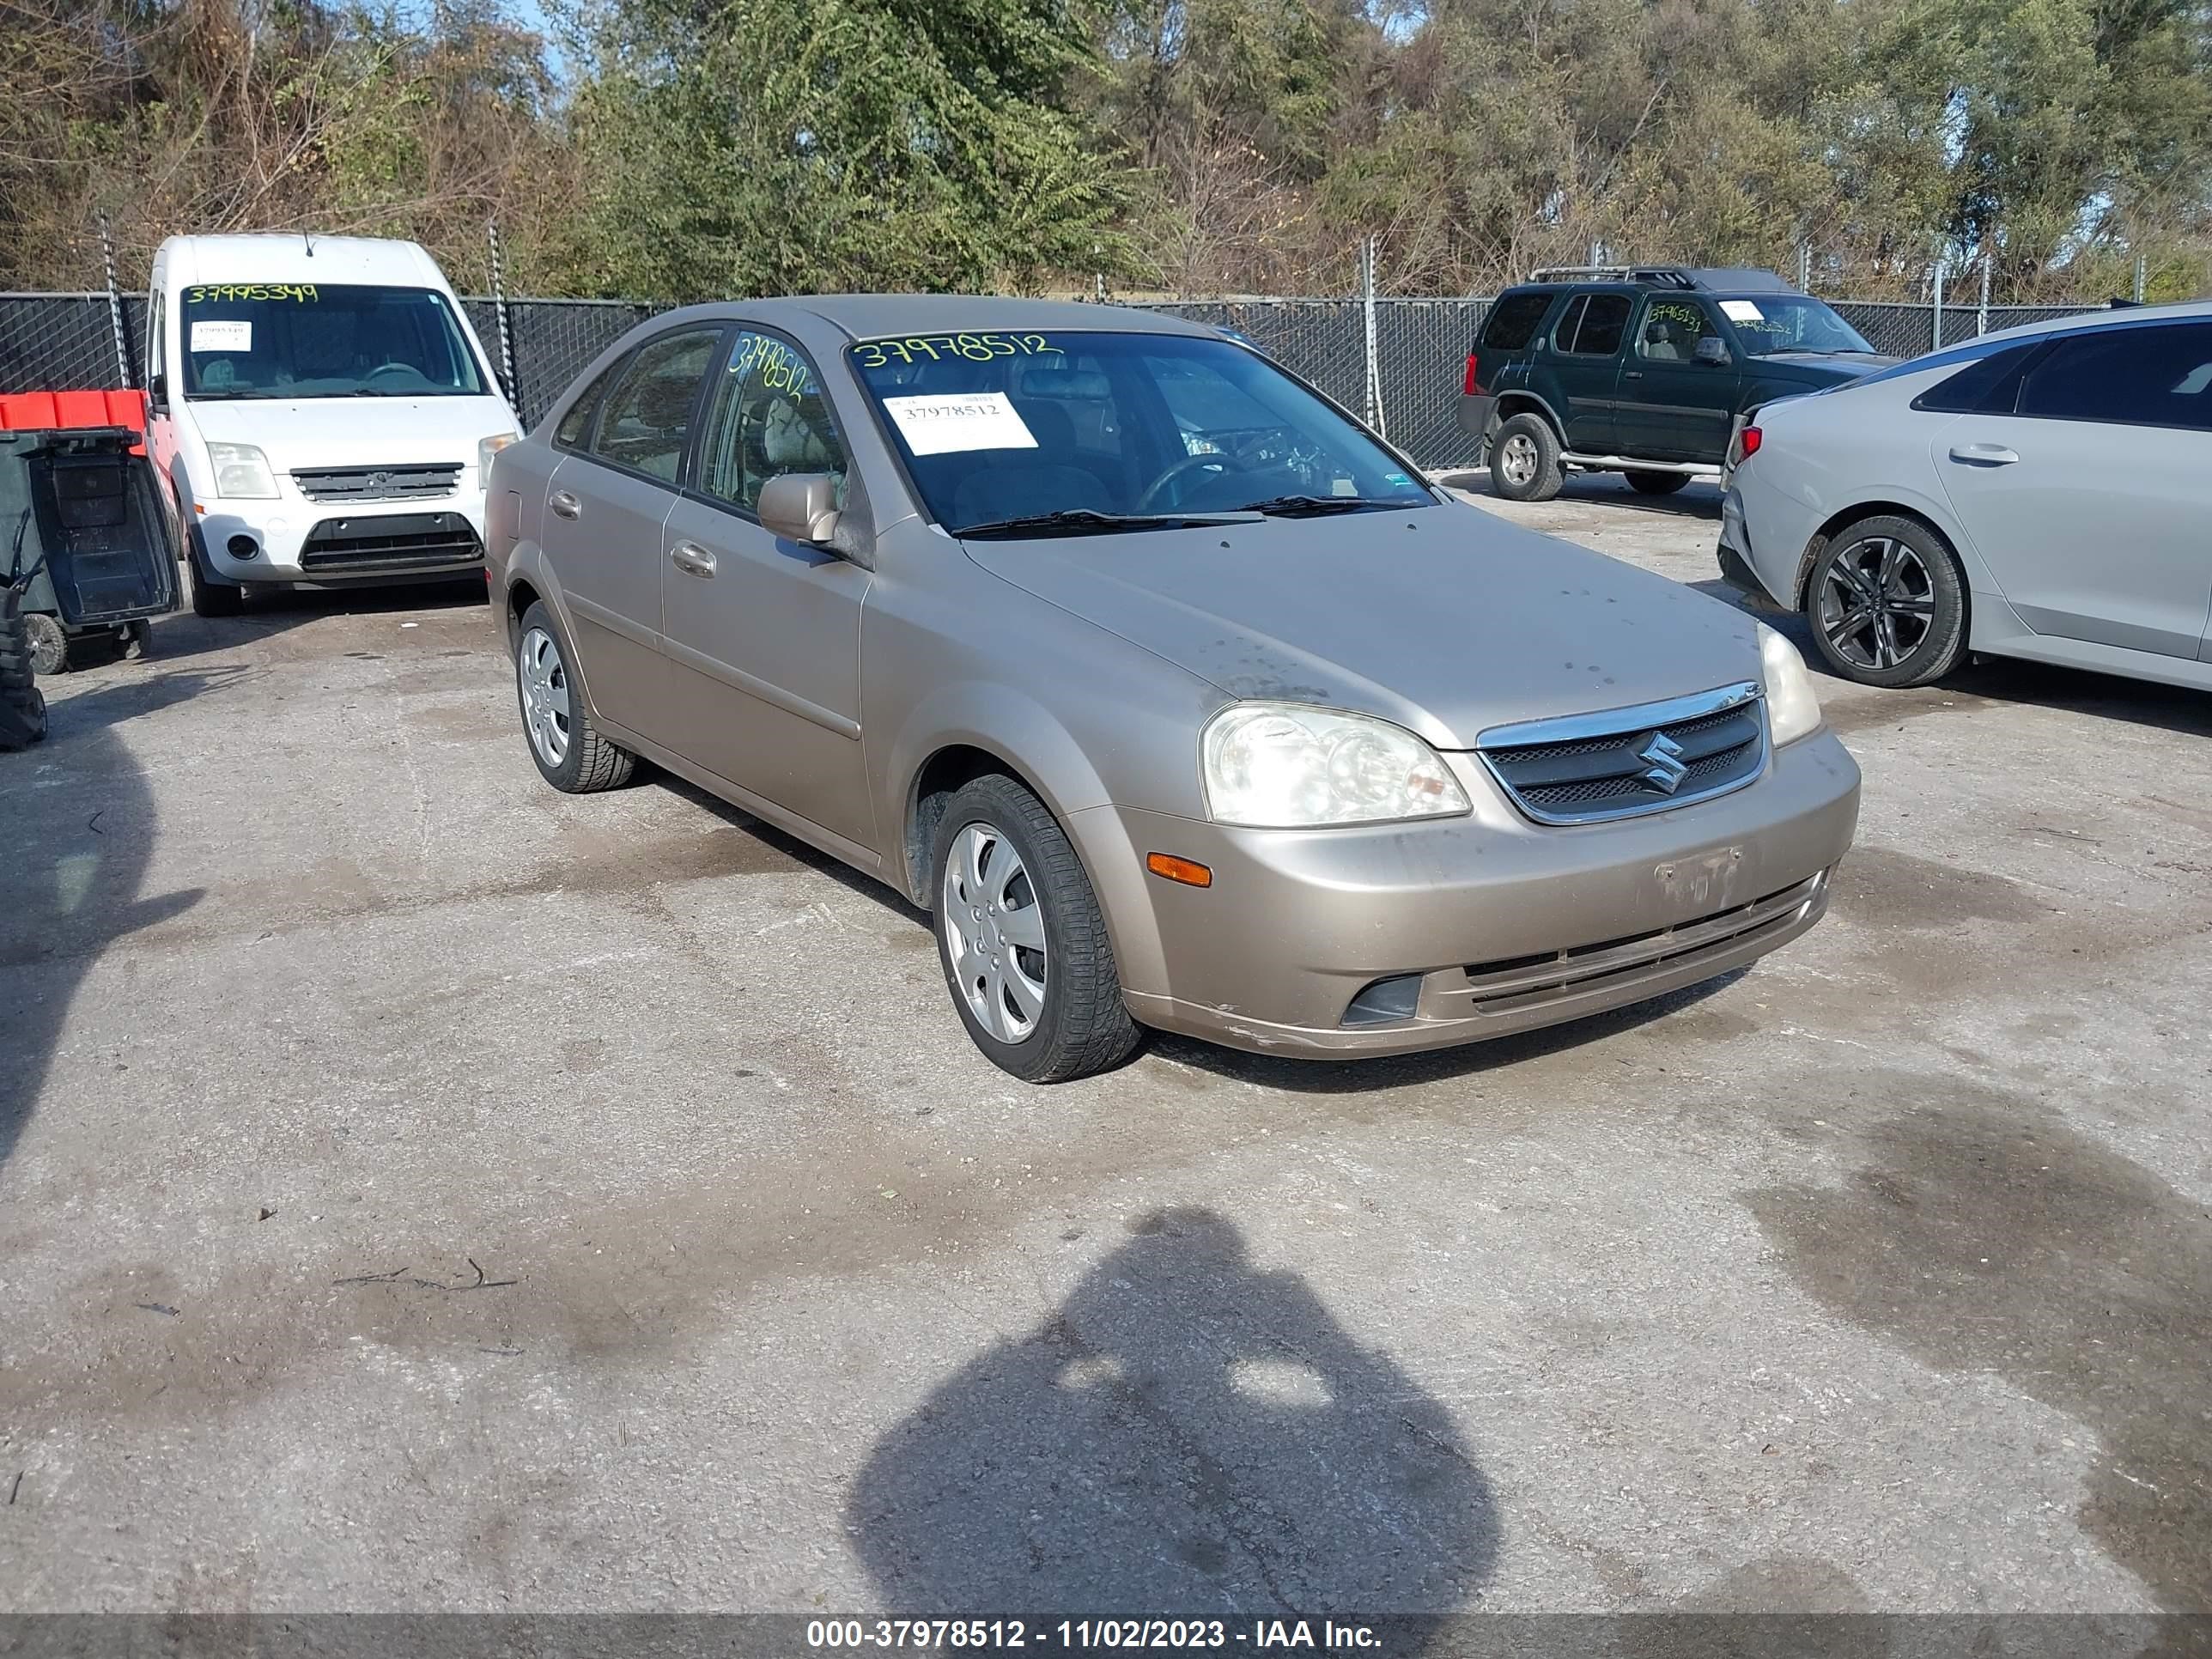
1664 756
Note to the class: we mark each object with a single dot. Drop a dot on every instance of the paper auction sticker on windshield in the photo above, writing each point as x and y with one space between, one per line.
222 336
967 420
1742 311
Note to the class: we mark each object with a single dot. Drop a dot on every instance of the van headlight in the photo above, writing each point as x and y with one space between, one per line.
1793 710
488 447
241 472
1286 765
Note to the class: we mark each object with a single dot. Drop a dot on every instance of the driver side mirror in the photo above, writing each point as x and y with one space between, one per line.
1712 350
157 391
801 506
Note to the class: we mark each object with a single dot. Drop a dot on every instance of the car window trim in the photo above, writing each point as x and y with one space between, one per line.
692 489
691 432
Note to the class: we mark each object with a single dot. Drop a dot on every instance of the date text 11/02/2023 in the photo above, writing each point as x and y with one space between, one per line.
832 1634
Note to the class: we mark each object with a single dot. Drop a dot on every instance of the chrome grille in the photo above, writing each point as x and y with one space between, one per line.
1624 762
376 483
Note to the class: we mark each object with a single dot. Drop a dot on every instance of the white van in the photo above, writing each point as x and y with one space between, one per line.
323 410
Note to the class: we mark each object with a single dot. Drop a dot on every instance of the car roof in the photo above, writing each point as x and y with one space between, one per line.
297 257
2118 316
875 316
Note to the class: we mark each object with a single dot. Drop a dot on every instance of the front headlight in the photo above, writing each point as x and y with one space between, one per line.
488 447
1286 765
1793 710
241 472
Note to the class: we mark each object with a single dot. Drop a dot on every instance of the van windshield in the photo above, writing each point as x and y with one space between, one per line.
323 340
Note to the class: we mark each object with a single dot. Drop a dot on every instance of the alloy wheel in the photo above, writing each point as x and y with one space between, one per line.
544 682
1877 602
1517 458
994 932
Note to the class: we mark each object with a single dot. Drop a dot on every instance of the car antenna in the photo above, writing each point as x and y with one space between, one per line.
307 238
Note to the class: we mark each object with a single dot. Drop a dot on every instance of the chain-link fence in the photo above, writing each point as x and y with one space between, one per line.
56 342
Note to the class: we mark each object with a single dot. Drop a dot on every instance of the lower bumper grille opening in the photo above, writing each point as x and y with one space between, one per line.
393 542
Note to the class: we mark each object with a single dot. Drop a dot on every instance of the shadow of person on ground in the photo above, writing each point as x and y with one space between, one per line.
1188 1434
77 830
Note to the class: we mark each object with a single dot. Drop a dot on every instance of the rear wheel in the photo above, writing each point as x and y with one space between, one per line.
1888 603
1524 460
1657 484
557 717
1022 940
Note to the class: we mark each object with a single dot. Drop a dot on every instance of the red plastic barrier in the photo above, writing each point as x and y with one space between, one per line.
48 411
28 411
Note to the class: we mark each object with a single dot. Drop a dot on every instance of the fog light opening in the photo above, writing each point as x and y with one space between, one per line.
1386 1001
242 547
1188 872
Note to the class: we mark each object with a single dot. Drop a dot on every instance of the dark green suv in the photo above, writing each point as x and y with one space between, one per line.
1641 369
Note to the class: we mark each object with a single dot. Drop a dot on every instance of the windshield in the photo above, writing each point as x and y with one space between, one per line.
323 340
1102 428
1792 322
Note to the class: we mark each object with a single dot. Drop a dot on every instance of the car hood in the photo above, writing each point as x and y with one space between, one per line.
312 432
1823 367
1446 620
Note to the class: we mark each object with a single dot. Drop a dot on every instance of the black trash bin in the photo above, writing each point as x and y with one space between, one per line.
84 513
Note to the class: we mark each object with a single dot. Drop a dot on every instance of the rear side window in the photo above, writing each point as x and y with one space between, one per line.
1514 320
578 421
1988 386
2153 376
1604 320
648 416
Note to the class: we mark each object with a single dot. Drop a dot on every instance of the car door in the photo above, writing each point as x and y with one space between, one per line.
764 634
1581 362
2090 495
1678 394
605 506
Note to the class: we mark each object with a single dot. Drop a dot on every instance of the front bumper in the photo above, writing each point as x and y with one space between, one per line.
1454 932
437 536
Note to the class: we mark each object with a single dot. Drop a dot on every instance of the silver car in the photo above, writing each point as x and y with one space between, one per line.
2043 493
1177 697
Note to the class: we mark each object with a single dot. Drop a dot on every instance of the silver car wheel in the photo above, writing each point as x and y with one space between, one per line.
544 683
1517 459
1877 602
994 933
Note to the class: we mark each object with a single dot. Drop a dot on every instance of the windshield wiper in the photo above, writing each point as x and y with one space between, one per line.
1291 507
1084 521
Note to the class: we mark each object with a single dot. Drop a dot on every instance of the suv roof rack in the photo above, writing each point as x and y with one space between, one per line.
1690 277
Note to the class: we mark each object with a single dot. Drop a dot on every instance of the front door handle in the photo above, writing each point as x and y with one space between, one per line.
692 559
1983 454
1631 374
564 504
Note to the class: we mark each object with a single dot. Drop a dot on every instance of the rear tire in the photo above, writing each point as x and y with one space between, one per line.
1014 912
569 749
1524 460
1657 484
1888 603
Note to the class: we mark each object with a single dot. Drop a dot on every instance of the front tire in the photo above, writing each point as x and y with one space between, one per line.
1888 603
1022 940
209 596
1657 484
1524 460
570 753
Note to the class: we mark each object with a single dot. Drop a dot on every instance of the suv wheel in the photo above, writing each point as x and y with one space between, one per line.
1022 940
1524 460
1888 603
1657 484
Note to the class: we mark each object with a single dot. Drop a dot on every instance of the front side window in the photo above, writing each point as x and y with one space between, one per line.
1114 425
1671 330
293 340
647 417
1774 323
2154 376
769 418
1604 320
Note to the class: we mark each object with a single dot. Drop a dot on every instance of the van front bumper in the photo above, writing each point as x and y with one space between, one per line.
327 543
1331 944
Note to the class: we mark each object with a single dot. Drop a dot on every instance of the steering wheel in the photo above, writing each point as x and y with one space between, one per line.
393 368
1146 501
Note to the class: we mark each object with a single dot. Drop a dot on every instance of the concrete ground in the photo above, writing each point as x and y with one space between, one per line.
421 1190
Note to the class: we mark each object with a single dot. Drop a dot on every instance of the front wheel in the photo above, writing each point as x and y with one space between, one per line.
1022 939
209 596
1888 603
556 718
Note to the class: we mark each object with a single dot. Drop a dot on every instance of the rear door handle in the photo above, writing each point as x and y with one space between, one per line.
692 559
564 504
1631 374
1983 454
